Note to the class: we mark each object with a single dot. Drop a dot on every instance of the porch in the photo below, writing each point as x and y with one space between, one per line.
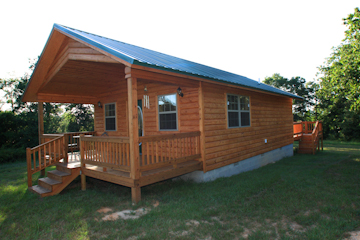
108 158
310 136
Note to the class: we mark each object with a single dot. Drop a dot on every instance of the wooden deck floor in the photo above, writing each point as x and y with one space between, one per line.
123 177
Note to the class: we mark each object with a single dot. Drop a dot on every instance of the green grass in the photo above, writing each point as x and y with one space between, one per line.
301 197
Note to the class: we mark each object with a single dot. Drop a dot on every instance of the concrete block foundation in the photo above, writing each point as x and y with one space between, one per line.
242 166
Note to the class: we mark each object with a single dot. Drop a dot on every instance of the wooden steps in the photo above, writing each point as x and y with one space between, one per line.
307 145
309 135
56 180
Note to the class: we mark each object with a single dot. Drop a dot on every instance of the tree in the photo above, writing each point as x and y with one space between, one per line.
78 117
302 109
339 94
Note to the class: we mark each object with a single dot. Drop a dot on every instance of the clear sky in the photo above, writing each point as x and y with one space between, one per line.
250 38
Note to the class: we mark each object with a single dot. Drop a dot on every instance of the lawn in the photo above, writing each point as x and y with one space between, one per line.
301 197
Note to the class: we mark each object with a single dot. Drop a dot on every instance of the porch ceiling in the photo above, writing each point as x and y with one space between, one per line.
85 78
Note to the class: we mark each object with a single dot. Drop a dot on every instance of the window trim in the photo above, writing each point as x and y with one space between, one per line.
176 112
239 111
105 117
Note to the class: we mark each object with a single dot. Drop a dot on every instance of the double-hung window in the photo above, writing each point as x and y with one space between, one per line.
110 117
167 112
238 110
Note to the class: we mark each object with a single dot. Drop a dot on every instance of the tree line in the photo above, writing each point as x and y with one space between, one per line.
334 98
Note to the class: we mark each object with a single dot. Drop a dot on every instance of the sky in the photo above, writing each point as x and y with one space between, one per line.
254 39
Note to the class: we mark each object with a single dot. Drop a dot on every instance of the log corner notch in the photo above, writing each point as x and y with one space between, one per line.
133 136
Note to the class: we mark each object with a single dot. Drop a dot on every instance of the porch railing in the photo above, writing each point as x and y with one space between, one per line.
168 150
155 151
72 143
44 155
106 152
52 149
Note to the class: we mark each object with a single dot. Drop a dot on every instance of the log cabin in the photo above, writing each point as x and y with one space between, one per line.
156 116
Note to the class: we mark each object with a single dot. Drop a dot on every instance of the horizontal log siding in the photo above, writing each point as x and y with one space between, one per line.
271 119
188 107
116 95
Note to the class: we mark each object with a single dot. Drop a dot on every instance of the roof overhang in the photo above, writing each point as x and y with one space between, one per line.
70 71
61 66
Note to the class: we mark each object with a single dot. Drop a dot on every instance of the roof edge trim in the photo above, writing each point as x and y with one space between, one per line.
94 43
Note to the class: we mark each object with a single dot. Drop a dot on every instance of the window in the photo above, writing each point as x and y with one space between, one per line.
238 111
167 112
110 117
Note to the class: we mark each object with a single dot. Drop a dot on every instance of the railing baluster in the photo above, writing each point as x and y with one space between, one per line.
157 152
161 151
128 153
177 147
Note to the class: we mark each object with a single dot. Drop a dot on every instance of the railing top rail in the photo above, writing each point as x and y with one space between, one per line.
105 139
52 140
316 127
168 136
51 135
78 132
303 122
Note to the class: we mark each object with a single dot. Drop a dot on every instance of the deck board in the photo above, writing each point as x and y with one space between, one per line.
146 177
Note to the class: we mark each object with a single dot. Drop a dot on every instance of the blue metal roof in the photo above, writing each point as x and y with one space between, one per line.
145 57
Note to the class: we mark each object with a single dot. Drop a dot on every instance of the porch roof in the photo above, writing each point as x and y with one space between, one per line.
145 57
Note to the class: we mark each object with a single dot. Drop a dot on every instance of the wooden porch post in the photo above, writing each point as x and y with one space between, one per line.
28 160
40 120
82 163
201 124
41 127
133 134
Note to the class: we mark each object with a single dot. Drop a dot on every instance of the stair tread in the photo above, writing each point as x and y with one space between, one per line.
59 173
39 189
69 165
49 181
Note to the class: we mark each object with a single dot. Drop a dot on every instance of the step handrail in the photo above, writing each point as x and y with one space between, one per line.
315 136
44 155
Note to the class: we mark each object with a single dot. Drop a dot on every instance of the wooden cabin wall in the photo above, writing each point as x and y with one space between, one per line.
270 118
188 107
117 95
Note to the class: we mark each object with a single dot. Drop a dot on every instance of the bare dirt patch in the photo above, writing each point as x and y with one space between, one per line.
104 210
355 235
124 214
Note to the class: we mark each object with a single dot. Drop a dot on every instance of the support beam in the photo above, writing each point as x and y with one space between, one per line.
133 134
40 120
136 194
41 126
82 163
201 125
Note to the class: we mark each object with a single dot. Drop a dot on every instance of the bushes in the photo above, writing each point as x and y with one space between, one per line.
17 131
12 154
